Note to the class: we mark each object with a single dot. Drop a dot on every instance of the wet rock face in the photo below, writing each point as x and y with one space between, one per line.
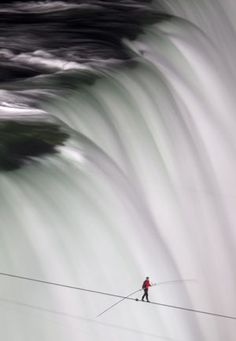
22 141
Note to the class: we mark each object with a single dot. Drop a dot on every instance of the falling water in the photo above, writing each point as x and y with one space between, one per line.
143 186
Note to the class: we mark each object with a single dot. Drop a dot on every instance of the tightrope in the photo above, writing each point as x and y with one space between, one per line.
114 295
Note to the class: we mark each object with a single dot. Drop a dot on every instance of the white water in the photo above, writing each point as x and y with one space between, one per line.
146 187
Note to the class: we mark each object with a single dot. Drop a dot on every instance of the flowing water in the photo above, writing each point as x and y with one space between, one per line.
144 186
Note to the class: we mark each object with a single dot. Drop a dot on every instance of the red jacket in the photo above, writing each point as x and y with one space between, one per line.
146 284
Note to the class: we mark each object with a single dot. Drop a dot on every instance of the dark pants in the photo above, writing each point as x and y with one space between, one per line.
145 294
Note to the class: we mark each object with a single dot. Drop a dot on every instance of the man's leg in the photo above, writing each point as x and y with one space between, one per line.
147 295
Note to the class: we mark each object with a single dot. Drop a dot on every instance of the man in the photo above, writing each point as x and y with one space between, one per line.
146 285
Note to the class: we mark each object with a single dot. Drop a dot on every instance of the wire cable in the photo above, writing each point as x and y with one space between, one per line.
110 307
119 296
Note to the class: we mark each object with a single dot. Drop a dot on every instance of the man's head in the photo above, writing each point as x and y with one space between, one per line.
147 277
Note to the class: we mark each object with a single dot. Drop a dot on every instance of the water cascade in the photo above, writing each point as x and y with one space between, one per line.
144 186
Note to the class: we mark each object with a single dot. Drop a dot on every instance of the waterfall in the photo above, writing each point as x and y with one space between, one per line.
144 186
